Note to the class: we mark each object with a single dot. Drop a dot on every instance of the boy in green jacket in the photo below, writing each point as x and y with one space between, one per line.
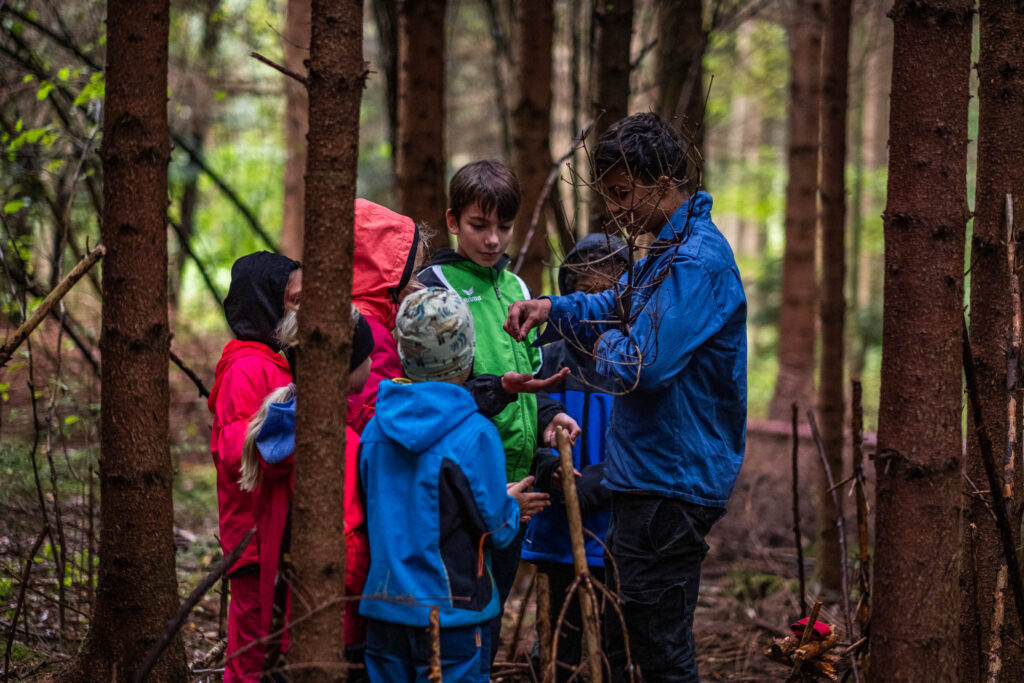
483 203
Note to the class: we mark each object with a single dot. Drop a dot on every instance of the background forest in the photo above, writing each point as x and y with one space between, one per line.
743 78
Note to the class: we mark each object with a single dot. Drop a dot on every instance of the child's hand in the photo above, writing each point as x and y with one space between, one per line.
525 315
524 383
530 502
562 420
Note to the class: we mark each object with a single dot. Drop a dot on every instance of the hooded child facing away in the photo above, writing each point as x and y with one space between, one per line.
433 472
263 287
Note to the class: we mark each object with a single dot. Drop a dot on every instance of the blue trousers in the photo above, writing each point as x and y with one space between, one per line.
658 546
401 654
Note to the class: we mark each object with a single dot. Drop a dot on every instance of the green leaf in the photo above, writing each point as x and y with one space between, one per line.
28 78
220 95
64 73
19 125
13 206
70 419
44 91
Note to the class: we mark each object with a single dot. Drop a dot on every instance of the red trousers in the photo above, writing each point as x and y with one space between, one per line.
244 628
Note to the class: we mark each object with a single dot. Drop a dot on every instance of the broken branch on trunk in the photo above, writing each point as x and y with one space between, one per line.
54 297
283 69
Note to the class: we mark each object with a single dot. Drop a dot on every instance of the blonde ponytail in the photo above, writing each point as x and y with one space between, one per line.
251 479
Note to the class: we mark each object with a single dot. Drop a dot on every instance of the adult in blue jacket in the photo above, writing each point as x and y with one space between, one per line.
673 335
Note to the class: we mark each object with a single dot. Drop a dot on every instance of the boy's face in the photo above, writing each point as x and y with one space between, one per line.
640 205
594 281
481 236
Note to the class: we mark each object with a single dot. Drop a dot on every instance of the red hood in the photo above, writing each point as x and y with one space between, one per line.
234 350
383 257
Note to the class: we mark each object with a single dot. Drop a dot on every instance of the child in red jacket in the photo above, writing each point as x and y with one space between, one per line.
263 287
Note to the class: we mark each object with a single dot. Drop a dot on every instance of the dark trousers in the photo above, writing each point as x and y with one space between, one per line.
658 545
401 654
504 565
570 637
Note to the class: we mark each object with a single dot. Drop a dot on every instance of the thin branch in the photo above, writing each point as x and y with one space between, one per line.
283 69
796 511
54 297
203 391
178 619
25 573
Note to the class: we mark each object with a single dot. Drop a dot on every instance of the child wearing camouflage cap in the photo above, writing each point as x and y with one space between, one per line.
433 473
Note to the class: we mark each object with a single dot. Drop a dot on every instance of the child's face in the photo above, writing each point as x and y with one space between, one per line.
639 205
482 237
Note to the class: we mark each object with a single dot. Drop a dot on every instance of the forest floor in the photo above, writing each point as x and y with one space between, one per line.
749 589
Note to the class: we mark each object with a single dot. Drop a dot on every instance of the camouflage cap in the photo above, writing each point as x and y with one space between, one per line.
435 335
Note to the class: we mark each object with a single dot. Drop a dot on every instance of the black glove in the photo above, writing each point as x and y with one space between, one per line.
490 398
592 494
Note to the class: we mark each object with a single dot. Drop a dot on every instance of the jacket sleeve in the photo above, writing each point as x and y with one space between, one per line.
483 464
243 393
569 312
680 315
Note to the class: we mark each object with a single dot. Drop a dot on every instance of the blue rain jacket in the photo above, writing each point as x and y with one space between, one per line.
679 430
433 473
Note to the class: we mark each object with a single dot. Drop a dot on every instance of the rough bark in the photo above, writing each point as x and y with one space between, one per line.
420 155
613 30
680 73
795 379
1000 151
337 75
137 590
296 52
829 560
919 435
531 129
610 69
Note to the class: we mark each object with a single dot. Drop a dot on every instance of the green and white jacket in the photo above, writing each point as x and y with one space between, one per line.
488 292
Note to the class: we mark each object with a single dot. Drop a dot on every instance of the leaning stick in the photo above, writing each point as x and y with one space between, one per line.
841 524
435 645
588 608
52 299
513 644
178 619
544 621
26 572
798 661
863 557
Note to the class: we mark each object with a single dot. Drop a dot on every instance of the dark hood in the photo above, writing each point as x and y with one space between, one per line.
593 248
255 301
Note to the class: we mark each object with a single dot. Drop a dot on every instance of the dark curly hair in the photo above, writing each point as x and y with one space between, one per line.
643 145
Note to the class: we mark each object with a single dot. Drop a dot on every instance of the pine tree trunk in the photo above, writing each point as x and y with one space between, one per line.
795 379
420 156
680 74
613 30
829 559
531 130
1000 152
137 590
337 75
296 52
610 69
385 16
914 634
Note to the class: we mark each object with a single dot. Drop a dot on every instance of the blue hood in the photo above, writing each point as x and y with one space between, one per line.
418 415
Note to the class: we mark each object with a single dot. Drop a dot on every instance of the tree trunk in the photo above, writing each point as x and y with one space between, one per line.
610 66
917 550
420 156
385 15
137 590
829 558
680 73
531 130
795 379
337 75
296 52
1000 151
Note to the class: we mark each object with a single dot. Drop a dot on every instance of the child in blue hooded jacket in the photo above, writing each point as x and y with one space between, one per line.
672 335
433 473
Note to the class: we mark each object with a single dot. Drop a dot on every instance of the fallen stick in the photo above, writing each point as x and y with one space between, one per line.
53 298
25 573
588 608
514 642
544 621
175 623
841 524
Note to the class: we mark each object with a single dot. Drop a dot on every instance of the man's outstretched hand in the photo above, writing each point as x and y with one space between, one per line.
525 315
524 383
